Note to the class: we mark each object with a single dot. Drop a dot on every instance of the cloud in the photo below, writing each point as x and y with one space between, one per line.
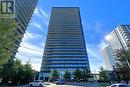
29 35
36 66
34 39
94 55
40 12
40 19
97 29
31 52
30 48
36 63
102 44
36 12
93 51
44 13
37 25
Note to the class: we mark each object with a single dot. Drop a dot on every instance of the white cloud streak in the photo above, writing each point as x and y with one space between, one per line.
36 66
37 25
42 20
102 44
41 13
36 63
29 35
30 48
30 51
94 56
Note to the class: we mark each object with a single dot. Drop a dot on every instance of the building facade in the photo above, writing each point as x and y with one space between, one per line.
108 58
23 13
65 45
119 39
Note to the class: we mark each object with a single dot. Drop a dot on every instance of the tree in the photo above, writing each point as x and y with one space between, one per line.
11 69
122 66
104 75
19 72
54 75
78 75
86 74
7 71
67 75
7 38
24 73
16 72
29 72
123 56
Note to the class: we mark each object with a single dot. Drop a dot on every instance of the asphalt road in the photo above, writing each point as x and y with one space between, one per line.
46 84
95 84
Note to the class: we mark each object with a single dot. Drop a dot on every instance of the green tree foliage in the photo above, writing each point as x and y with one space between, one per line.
7 38
67 75
54 75
78 75
104 75
123 64
86 74
16 72
11 69
8 71
123 56
29 73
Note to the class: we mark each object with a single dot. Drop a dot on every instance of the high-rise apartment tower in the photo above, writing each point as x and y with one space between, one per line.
119 39
108 58
23 10
65 45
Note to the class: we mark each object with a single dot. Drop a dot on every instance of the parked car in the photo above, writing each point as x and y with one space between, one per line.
37 83
119 85
60 81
